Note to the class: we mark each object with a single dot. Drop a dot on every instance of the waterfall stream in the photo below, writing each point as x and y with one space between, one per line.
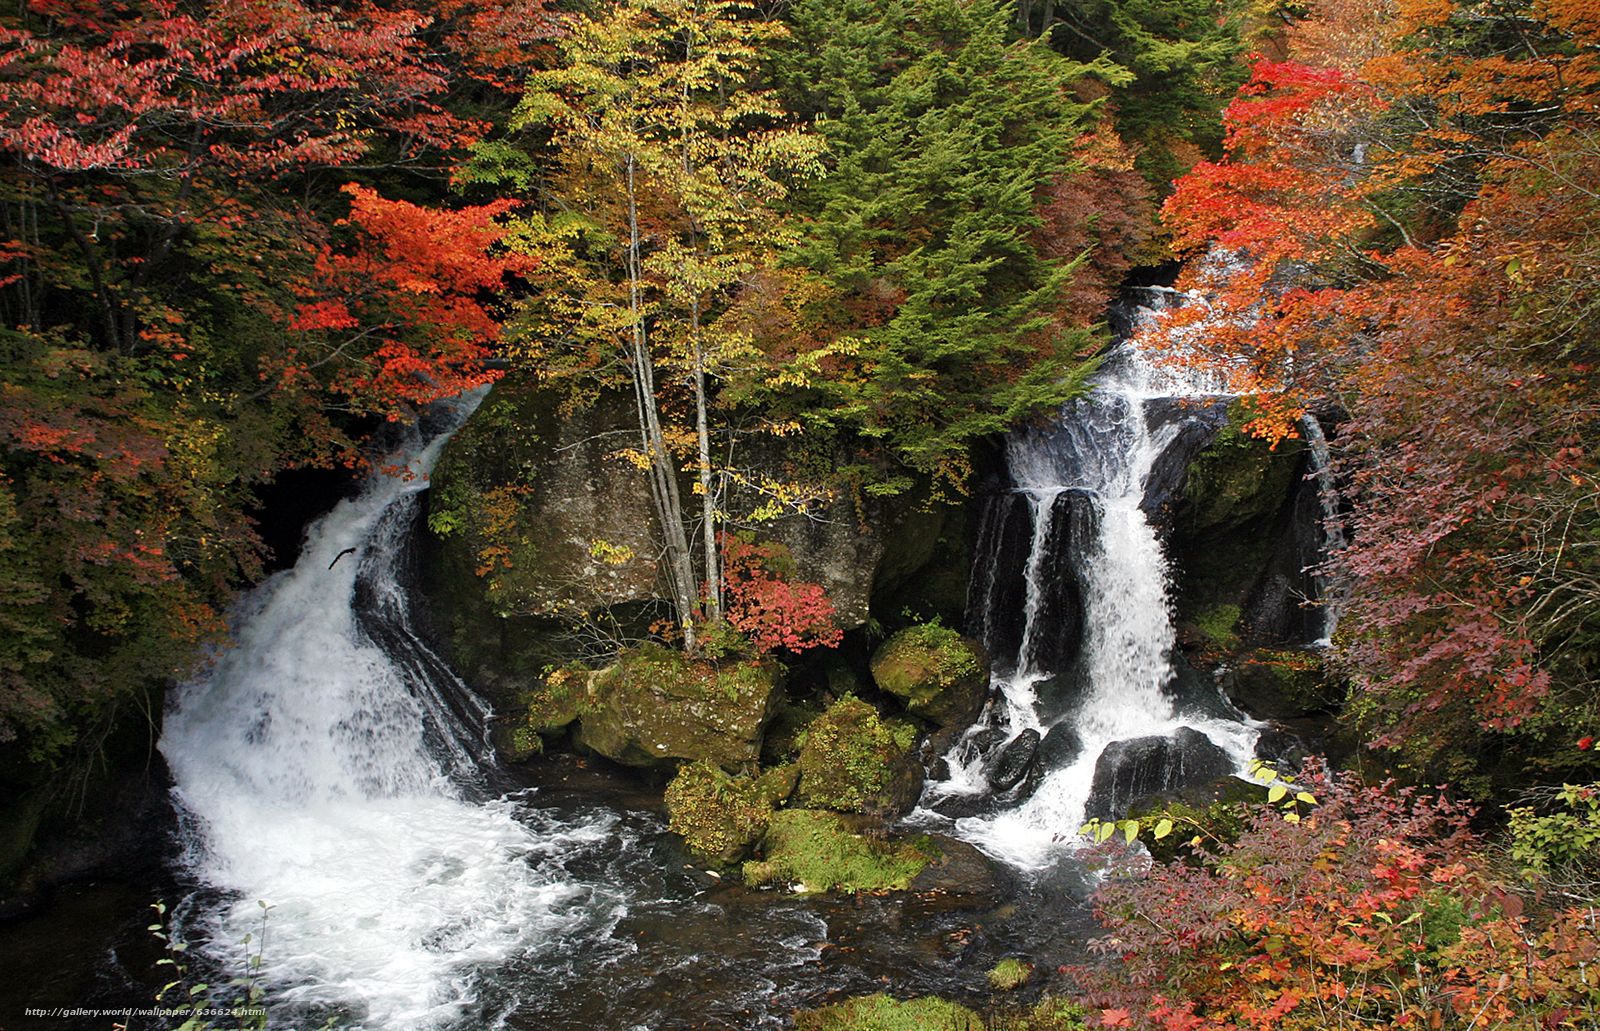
1119 685
325 765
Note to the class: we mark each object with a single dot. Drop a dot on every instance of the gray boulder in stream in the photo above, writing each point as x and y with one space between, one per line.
1015 761
1128 771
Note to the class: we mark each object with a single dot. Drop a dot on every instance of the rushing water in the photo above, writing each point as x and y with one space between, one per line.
319 768
1102 451
331 766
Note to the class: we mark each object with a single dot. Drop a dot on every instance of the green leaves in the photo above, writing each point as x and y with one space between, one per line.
941 133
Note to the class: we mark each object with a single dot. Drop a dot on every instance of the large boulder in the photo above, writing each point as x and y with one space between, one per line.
959 869
1242 527
655 707
852 760
1015 761
721 816
1132 770
1061 746
939 675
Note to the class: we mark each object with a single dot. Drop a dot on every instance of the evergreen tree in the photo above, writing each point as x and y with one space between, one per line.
942 133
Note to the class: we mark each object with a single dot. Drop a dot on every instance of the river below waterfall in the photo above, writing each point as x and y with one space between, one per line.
638 935
330 765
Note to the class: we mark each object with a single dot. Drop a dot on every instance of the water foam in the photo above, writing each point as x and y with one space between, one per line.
330 777
1103 446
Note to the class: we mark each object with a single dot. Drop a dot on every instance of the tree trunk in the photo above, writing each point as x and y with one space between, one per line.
708 497
663 477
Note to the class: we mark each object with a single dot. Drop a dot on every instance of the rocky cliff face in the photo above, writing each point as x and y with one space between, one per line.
538 519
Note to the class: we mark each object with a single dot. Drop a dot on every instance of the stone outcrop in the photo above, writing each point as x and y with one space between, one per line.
655 708
1132 770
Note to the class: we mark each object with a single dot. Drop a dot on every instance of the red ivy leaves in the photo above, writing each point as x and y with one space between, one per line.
773 612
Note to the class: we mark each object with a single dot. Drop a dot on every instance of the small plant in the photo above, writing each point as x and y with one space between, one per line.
772 611
1009 974
246 1007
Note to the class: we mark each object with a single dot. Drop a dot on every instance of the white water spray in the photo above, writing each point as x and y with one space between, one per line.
323 772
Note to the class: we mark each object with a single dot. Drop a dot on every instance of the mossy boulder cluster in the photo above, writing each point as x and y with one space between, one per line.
940 675
656 707
851 772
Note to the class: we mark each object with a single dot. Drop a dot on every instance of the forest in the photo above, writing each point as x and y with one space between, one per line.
1094 495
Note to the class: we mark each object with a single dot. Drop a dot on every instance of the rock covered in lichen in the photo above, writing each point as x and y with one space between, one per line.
939 674
719 816
655 707
852 760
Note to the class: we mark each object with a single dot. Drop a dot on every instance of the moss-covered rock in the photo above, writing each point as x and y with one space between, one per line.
940 675
655 707
1281 684
885 1013
545 710
720 817
1238 530
1009 974
850 756
825 851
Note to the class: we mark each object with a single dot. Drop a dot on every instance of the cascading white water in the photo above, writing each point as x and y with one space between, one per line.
1103 447
323 772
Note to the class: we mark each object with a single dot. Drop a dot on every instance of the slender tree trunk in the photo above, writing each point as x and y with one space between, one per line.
708 496
663 477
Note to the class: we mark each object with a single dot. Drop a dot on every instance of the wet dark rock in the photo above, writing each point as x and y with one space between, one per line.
1198 425
1015 761
1060 747
906 779
960 870
1282 748
1241 528
998 593
1280 685
1128 771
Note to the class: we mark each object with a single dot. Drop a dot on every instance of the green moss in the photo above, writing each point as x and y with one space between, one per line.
938 673
1219 624
1010 973
847 756
719 817
884 1013
1239 478
655 706
824 852
1049 1015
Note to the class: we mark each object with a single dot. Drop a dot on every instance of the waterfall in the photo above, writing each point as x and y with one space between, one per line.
1120 683
1331 523
326 765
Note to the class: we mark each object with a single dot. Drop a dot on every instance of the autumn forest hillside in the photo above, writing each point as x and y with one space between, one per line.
240 242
